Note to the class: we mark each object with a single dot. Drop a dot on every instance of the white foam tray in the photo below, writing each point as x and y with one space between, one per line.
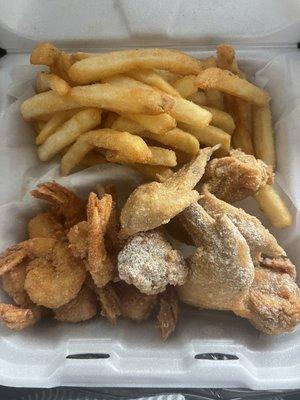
37 357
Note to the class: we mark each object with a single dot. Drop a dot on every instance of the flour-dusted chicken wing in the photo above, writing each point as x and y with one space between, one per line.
154 204
259 239
273 302
221 270
149 262
237 176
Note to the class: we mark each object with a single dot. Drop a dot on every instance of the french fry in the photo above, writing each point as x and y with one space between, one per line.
210 136
214 98
92 158
199 98
122 99
273 207
226 58
38 126
159 124
81 122
242 137
154 172
159 156
168 76
109 139
96 67
125 125
53 124
263 135
46 81
151 78
186 86
227 82
109 119
46 103
221 119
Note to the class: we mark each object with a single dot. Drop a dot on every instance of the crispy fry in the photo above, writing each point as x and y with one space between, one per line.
92 158
214 98
122 99
46 103
159 156
46 81
109 119
108 139
81 122
158 124
99 66
263 135
168 76
221 119
125 125
154 172
273 207
168 312
186 86
99 262
210 136
226 58
153 79
227 82
242 138
38 126
199 98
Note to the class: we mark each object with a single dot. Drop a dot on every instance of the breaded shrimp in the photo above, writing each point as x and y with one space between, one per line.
18 318
46 225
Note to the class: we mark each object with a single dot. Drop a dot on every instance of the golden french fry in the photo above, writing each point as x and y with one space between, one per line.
99 66
263 135
125 125
226 58
210 136
81 122
151 78
121 99
38 126
198 98
221 119
108 139
186 86
46 103
168 76
214 98
227 82
158 124
273 207
154 172
109 118
92 158
242 136
54 122
46 81
159 156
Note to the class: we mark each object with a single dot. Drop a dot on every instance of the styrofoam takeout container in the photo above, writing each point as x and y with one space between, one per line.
265 33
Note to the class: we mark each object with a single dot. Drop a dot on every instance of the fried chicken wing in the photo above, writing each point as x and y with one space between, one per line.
273 302
259 239
149 262
237 176
154 204
221 270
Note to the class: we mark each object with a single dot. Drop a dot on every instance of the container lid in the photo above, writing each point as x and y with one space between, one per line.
105 23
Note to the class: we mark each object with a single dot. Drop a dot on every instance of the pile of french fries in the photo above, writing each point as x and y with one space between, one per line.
150 109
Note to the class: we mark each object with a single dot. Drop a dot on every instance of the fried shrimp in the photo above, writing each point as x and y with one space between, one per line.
13 284
54 276
18 318
100 264
78 239
46 225
168 312
68 205
82 308
110 302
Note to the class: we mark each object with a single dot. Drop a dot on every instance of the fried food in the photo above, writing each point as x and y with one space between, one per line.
168 312
227 82
46 81
100 264
158 124
221 271
154 204
82 308
153 172
46 225
273 302
78 239
13 284
135 305
53 124
263 135
237 176
110 302
17 318
67 204
257 236
149 262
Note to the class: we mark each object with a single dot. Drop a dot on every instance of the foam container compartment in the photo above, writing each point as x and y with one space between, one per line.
265 34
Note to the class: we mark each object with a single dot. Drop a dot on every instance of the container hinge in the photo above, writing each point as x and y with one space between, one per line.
3 52
298 45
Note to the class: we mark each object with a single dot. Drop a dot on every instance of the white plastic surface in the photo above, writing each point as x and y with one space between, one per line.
37 356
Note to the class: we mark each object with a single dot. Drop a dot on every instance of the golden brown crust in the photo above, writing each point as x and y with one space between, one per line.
17 318
168 312
110 302
78 239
